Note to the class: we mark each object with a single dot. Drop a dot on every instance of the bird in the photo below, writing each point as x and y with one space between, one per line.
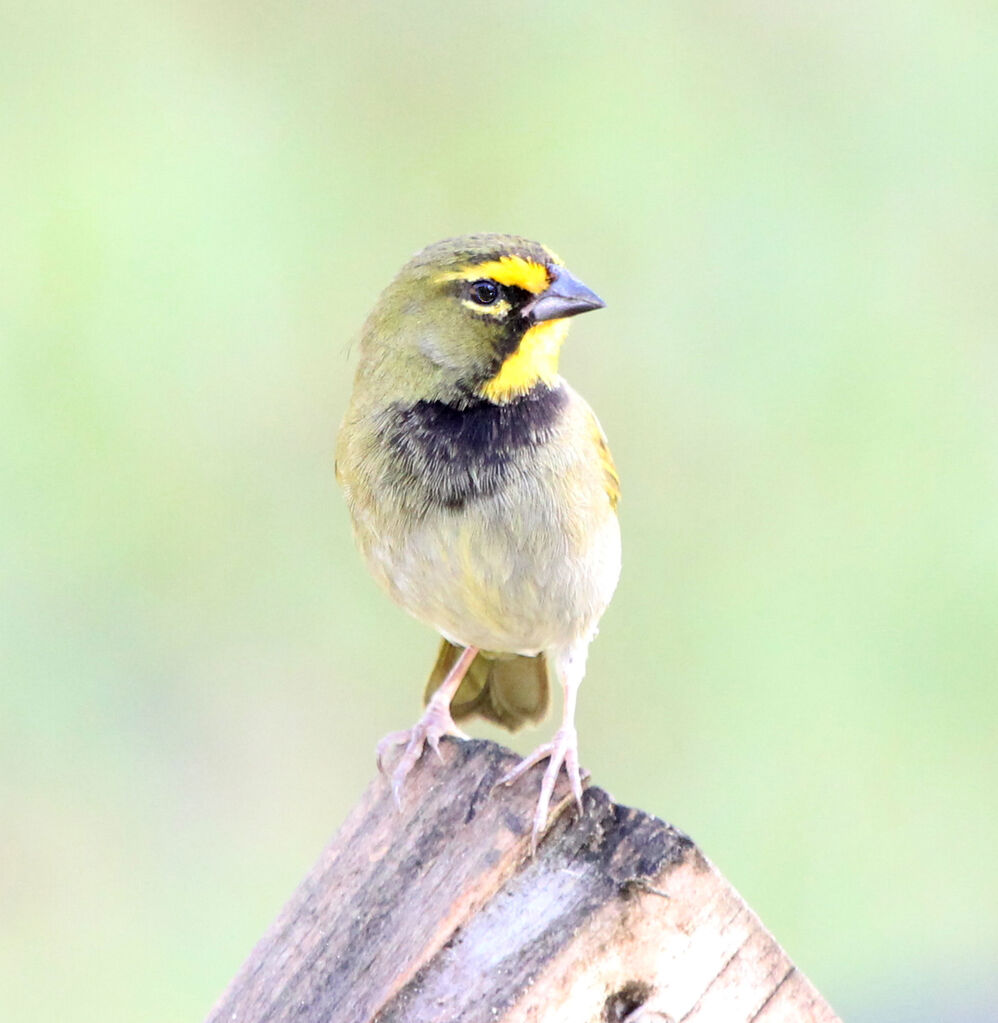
482 492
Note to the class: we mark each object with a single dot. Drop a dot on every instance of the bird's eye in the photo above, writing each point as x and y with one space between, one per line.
485 292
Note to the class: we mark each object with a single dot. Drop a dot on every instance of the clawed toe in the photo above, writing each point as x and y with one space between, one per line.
539 754
561 751
435 723
391 740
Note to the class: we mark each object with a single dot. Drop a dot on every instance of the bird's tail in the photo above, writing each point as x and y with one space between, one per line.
508 689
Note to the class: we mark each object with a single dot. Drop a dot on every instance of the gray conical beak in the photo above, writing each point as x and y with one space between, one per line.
565 296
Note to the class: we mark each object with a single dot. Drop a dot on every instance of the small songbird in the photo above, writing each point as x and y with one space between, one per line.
481 488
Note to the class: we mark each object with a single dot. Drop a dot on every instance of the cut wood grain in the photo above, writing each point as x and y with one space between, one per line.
438 914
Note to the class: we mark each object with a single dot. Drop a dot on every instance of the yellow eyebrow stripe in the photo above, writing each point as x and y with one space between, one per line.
514 271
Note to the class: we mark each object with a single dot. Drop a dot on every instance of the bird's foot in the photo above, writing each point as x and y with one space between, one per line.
435 723
563 749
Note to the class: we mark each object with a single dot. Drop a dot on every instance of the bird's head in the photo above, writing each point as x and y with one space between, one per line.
482 316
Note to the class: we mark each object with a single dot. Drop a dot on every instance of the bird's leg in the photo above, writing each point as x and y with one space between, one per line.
435 723
563 749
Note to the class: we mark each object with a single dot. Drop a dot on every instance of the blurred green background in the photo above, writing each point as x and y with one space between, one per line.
792 212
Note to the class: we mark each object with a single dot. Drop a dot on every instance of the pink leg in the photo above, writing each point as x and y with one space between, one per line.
435 723
563 749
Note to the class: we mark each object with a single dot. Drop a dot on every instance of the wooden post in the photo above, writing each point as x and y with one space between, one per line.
438 914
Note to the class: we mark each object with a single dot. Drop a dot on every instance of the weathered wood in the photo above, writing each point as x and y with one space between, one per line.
438 914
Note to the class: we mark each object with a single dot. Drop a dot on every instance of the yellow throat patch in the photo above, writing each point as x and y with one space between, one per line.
535 361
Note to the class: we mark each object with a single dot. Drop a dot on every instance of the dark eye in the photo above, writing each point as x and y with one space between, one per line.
484 292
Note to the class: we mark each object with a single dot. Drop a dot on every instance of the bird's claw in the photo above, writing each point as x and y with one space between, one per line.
563 749
435 723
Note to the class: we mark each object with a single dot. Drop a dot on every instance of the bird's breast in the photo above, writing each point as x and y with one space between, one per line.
491 523
449 456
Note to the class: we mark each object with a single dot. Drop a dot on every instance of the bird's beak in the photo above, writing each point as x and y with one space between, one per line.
565 296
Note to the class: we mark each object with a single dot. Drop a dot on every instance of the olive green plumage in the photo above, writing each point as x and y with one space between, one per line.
480 485
507 689
418 342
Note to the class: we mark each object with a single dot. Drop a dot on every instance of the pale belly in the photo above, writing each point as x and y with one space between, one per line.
503 579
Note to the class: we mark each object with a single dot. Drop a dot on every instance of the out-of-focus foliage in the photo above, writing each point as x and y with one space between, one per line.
791 212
